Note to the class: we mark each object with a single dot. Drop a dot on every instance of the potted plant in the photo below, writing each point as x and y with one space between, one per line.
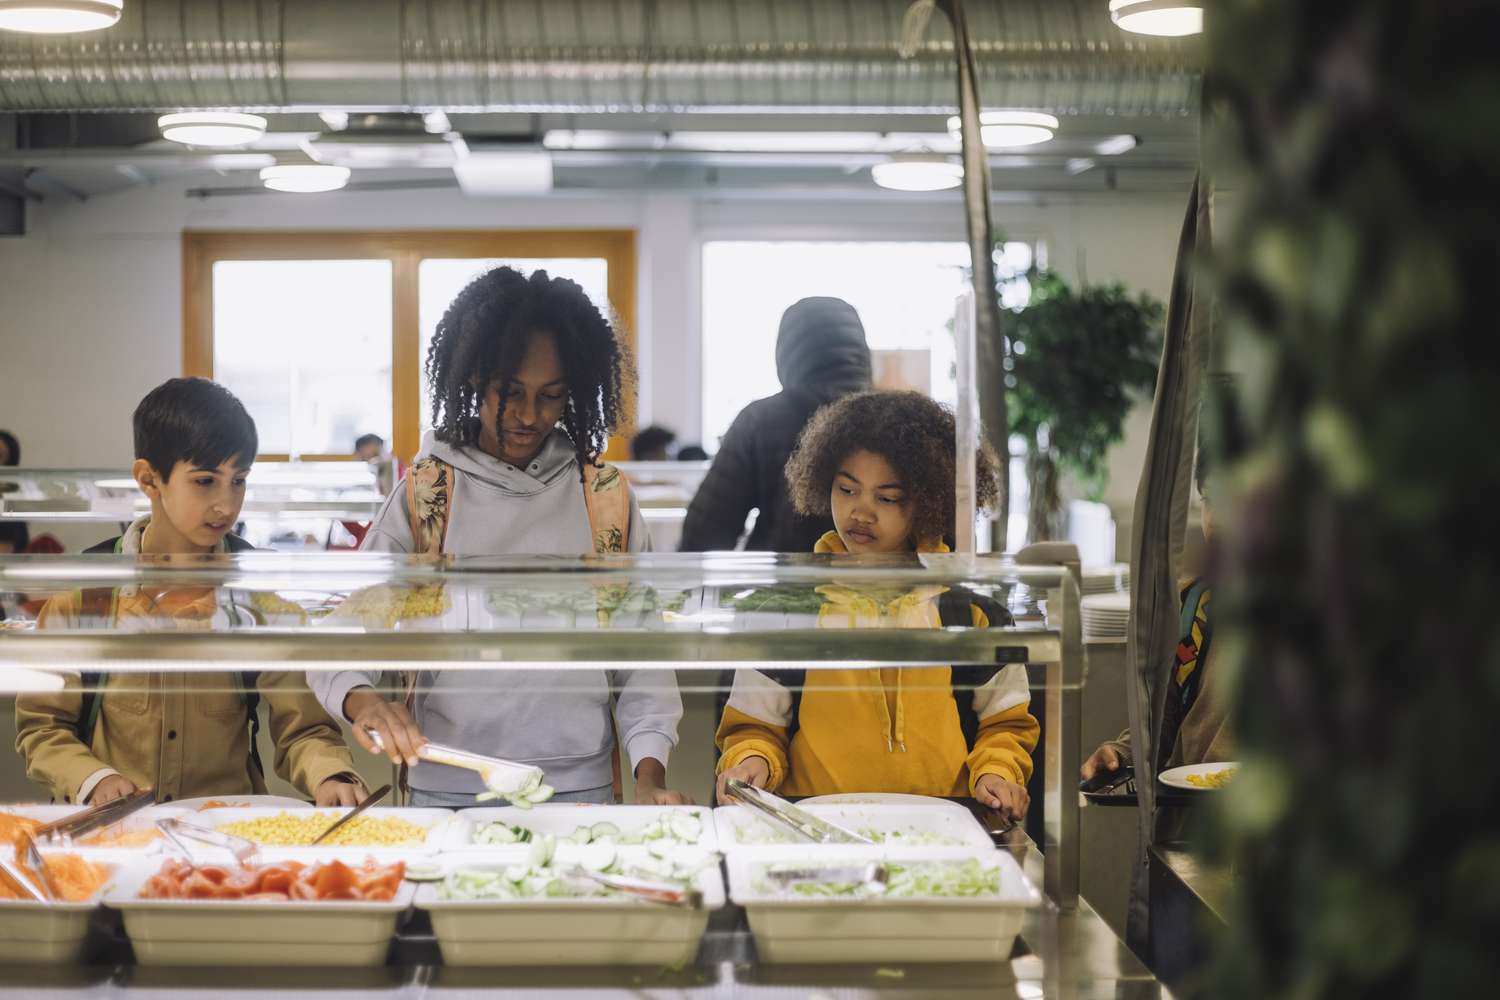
1079 360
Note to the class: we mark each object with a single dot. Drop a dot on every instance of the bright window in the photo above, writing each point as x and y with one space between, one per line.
306 345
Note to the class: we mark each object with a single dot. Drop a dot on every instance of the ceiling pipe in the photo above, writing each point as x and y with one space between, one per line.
1063 56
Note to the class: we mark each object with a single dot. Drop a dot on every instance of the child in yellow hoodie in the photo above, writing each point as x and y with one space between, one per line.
882 465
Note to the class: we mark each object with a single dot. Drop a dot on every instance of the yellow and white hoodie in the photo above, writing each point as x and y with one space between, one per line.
902 729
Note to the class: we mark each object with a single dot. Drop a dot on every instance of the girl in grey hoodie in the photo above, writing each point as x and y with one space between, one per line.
511 468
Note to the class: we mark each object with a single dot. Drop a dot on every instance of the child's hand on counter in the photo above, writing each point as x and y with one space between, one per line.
338 792
114 786
367 709
651 786
752 771
1006 797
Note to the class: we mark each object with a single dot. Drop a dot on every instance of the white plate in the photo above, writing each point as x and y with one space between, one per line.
1105 603
1176 777
244 802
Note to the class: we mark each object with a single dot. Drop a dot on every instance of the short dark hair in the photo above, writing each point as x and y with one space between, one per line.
483 336
692 453
365 439
193 420
650 439
912 432
12 447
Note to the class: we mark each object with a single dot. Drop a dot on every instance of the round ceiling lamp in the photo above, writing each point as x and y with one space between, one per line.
58 17
1170 18
304 178
919 172
212 128
1003 129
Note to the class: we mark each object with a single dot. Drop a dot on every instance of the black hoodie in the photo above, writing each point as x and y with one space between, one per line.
821 355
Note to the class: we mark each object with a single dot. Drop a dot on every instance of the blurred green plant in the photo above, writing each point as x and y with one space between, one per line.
1079 360
1358 300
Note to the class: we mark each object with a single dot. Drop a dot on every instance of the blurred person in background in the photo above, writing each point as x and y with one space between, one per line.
821 356
692 453
651 443
10 449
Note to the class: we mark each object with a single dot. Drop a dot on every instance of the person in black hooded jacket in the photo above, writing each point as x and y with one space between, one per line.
821 355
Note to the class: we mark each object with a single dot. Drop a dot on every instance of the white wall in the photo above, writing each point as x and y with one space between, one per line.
90 301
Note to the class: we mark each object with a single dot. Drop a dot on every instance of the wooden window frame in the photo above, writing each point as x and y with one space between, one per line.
405 250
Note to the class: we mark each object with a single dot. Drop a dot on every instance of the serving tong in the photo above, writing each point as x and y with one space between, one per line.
246 852
781 812
652 890
63 831
501 776
868 874
369 801
38 888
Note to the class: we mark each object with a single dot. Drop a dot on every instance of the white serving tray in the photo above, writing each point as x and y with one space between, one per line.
795 929
562 819
35 932
569 932
254 932
955 825
437 822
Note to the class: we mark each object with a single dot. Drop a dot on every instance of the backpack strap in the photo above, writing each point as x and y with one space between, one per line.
429 504
606 494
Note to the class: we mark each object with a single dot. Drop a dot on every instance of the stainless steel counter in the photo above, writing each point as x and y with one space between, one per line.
1059 955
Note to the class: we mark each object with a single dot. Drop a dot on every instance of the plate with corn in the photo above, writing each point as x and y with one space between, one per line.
377 831
1200 777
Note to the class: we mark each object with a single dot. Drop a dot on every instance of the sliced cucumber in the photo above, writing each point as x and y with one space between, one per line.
423 871
653 830
660 848
517 873
686 827
582 835
541 794
523 835
597 857
604 830
521 803
533 782
496 833
542 850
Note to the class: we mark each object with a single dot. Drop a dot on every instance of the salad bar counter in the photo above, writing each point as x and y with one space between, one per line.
612 900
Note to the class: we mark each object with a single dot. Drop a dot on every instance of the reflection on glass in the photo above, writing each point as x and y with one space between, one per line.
306 345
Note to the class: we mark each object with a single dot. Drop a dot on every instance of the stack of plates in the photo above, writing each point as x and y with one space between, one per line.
1106 579
1105 616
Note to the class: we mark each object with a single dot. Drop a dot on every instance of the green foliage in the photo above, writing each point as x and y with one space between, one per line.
1358 300
1081 360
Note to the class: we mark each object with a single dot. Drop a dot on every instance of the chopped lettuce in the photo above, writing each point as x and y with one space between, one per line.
912 880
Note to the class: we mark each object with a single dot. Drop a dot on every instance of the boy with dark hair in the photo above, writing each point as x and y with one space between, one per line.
185 734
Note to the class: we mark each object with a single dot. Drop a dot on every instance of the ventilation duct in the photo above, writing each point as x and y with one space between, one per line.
1063 56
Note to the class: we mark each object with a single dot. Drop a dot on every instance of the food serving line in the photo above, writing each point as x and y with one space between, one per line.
492 899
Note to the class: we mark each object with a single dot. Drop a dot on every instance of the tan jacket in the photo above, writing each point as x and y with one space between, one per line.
185 734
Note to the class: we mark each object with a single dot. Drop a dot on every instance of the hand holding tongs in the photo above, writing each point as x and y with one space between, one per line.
246 852
84 821
668 893
500 776
788 816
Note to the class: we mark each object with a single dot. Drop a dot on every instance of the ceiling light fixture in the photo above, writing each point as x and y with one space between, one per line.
304 178
1078 165
1115 145
211 128
1002 129
1170 18
918 172
58 17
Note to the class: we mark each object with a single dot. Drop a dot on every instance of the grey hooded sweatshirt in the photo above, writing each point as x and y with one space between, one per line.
557 720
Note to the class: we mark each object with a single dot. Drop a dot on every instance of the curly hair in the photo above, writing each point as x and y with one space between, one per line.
915 434
483 336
